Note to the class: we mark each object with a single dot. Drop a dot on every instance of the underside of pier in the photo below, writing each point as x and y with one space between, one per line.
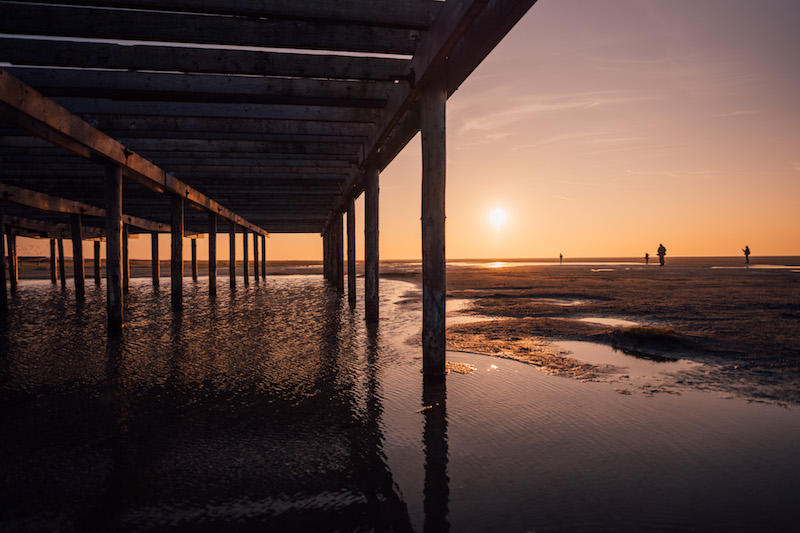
125 116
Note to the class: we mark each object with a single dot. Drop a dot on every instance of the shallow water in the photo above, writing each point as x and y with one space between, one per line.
273 407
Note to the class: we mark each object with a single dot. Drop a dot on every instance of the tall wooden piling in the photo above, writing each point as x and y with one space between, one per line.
433 230
232 256
13 261
126 260
351 254
78 273
97 262
245 263
339 253
194 259
53 261
264 257
62 269
155 264
212 253
114 247
3 293
176 258
371 253
325 252
255 256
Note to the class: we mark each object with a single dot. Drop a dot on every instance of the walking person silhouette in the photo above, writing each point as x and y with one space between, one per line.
661 253
746 251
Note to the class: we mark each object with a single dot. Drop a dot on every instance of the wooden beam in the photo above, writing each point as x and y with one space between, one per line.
212 254
176 263
62 270
78 273
194 259
255 257
263 257
51 229
371 252
433 231
351 254
163 26
114 247
46 202
3 289
25 51
246 262
398 13
53 261
232 253
126 259
96 261
26 108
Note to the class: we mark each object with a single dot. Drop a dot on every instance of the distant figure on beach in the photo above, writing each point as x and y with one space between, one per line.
661 253
647 258
746 251
560 259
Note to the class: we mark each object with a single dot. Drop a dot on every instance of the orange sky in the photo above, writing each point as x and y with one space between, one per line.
605 128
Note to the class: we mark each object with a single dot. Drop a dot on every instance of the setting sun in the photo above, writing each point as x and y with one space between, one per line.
498 217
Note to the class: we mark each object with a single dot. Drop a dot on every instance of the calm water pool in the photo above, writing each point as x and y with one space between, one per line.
274 408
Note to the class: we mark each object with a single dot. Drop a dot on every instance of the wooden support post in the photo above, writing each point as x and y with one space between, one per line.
53 261
114 247
351 254
194 259
78 273
264 257
13 262
245 263
255 256
3 293
97 262
155 263
326 250
126 260
212 253
338 250
176 258
371 254
62 269
433 230
232 258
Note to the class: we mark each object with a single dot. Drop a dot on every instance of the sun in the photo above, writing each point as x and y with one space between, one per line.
498 217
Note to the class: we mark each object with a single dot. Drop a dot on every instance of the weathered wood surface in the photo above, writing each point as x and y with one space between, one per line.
51 230
3 289
62 269
176 259
246 261
255 257
53 261
78 272
232 253
212 253
97 275
351 254
194 259
433 231
126 259
155 264
114 247
264 257
371 252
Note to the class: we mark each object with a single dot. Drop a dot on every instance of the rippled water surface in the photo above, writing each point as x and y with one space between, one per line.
274 408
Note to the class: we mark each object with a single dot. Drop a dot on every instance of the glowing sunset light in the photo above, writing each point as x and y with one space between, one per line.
498 218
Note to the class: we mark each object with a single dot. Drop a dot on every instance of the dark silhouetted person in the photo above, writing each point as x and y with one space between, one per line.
661 253
746 251
646 258
560 259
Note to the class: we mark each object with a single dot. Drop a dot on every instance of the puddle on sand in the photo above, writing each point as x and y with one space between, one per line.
616 322
635 371
459 305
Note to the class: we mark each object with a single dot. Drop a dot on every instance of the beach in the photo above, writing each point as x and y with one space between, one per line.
273 406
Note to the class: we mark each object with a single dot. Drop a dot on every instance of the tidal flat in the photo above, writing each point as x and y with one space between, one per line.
273 407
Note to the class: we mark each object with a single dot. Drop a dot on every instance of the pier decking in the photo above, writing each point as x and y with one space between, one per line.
120 117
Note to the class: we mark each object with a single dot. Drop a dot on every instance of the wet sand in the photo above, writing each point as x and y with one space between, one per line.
741 323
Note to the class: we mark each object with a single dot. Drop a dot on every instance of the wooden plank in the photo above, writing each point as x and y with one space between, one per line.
371 251
25 51
114 247
176 259
396 13
351 254
433 231
208 88
51 229
28 109
212 253
155 264
78 272
162 26
154 146
219 110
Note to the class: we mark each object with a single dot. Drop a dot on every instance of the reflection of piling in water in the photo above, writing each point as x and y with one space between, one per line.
434 440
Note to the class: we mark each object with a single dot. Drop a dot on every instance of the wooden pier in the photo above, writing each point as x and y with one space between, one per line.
118 118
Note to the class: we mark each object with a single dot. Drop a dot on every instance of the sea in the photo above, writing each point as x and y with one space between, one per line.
273 406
